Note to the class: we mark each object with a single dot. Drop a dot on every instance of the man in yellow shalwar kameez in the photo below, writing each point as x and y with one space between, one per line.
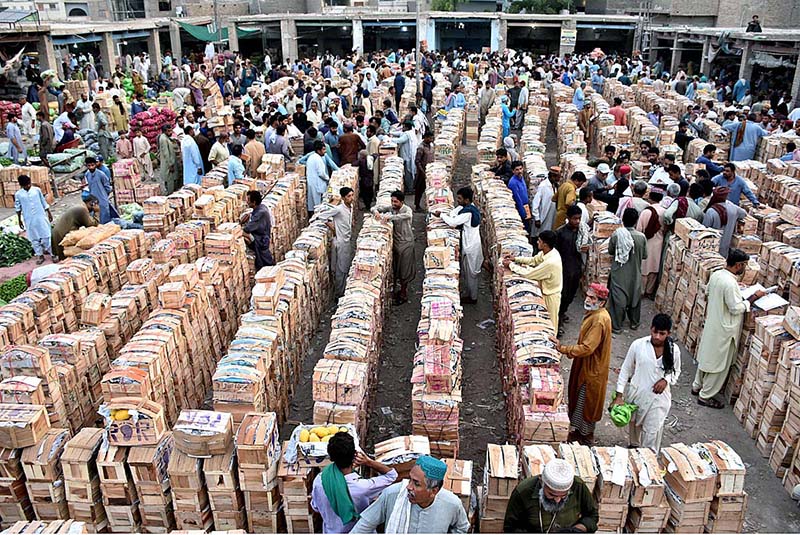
544 268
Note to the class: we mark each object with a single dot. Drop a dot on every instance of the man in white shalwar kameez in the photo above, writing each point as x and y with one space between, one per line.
33 214
543 208
467 217
407 150
141 151
84 105
316 176
340 220
652 365
724 314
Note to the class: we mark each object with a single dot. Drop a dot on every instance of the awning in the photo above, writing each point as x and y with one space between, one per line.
76 40
205 33
601 26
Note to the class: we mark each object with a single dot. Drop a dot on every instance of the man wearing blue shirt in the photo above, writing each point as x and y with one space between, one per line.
579 99
789 156
736 184
520 193
713 168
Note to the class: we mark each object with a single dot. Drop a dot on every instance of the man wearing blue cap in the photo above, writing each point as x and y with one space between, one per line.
417 505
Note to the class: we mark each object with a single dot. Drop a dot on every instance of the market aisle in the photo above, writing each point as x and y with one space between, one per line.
483 407
390 414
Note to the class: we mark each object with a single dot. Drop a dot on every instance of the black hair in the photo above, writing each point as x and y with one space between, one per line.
573 210
517 163
399 195
731 166
549 237
709 148
318 144
735 256
791 147
701 174
610 148
630 217
662 322
466 193
653 150
236 150
255 196
501 152
646 143
617 101
23 180
578 177
250 134
345 191
584 194
695 190
673 168
342 450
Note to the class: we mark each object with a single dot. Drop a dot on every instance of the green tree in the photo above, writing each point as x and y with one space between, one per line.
545 7
443 5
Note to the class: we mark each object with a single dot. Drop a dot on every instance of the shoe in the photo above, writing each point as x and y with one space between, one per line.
634 326
40 261
565 319
711 403
560 333
616 331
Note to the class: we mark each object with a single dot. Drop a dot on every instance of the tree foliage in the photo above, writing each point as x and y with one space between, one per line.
545 7
443 5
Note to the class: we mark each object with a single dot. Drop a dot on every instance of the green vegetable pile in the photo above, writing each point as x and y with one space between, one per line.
14 249
12 288
5 162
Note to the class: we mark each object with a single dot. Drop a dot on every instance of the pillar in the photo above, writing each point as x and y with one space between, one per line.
569 36
432 35
47 53
358 36
288 40
746 67
676 56
175 41
233 38
154 50
796 84
499 34
705 64
108 53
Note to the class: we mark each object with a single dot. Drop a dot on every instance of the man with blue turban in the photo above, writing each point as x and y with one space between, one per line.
418 504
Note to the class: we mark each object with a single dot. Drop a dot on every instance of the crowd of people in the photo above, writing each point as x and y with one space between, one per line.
340 125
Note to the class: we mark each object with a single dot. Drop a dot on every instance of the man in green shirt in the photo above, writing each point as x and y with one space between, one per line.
553 502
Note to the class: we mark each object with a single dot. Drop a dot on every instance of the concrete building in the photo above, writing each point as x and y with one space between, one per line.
721 13
772 54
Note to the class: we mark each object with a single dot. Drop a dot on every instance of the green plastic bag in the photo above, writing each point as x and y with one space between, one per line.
621 414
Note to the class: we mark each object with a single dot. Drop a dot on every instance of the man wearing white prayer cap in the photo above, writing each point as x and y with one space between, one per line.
554 501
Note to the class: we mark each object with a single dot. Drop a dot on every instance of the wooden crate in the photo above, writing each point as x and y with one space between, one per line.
79 460
648 483
535 457
257 441
609 460
22 425
203 433
148 466
686 517
259 521
147 429
42 461
648 519
726 463
388 451
582 459
687 474
726 514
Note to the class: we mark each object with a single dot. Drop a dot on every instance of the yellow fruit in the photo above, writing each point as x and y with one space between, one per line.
333 429
327 438
320 431
121 414
343 430
313 438
304 435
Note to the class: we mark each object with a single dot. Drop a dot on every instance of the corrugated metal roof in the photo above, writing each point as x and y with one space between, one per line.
12 16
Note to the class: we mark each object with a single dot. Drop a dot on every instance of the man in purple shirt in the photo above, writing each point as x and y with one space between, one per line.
328 496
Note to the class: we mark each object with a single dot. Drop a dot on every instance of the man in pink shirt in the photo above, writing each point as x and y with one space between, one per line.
619 113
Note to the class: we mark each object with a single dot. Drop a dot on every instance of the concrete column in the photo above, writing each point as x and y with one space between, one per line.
175 41
796 83
47 53
676 56
288 40
432 35
233 37
563 47
154 50
705 65
499 34
108 53
746 67
358 36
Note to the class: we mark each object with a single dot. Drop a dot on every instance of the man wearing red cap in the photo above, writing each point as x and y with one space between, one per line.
588 376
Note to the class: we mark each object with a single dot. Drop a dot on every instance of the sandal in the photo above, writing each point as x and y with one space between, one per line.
711 403
695 393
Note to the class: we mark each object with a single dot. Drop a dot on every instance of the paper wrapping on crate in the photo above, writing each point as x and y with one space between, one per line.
96 308
725 463
257 440
133 421
687 474
582 459
535 457
401 450
202 433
